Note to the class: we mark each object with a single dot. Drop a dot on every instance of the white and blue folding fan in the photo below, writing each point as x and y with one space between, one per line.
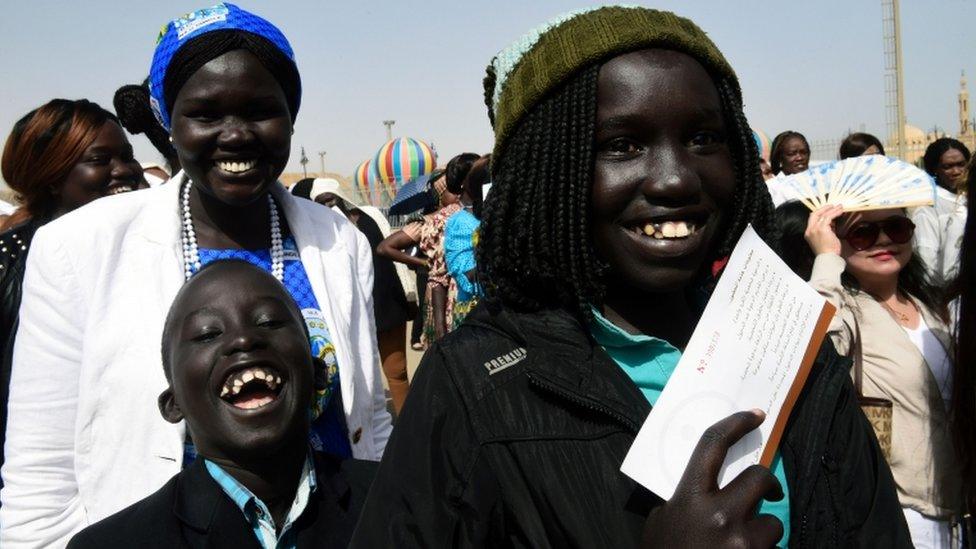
871 182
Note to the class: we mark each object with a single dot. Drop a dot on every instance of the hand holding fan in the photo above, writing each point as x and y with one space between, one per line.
871 182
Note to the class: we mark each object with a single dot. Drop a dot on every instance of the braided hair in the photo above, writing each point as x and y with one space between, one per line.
132 105
535 246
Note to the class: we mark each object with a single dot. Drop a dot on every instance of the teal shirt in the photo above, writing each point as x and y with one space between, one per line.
649 363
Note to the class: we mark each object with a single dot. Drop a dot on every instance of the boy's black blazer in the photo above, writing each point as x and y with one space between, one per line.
191 510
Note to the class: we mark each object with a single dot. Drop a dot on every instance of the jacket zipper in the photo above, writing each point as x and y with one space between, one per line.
588 404
830 496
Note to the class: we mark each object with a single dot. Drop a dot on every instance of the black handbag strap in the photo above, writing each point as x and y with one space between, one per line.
857 356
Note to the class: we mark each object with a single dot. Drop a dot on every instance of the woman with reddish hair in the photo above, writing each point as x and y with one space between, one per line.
57 158
62 156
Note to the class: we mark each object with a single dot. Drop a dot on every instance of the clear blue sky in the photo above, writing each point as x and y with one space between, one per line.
816 67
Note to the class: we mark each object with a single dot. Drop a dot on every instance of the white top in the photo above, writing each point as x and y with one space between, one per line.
935 356
84 435
6 208
938 234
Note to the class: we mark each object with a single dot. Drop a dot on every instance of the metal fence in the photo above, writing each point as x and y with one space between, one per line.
826 150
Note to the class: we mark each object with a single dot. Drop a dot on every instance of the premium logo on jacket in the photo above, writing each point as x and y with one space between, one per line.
512 358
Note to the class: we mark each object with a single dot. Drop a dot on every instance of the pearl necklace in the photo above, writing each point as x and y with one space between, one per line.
191 255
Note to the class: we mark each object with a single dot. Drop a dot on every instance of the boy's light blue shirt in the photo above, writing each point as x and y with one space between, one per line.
649 363
257 513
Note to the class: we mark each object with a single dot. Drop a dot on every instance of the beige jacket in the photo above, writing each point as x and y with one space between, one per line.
922 458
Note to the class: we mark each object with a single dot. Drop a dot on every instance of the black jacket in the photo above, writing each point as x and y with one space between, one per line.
516 426
191 510
14 244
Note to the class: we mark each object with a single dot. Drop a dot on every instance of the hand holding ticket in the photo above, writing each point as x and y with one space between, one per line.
752 349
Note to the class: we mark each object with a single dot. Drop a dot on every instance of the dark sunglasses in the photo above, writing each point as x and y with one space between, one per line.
864 234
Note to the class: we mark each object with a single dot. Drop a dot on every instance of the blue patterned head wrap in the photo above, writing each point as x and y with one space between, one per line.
178 32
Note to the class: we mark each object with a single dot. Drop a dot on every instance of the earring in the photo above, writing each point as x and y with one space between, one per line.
171 139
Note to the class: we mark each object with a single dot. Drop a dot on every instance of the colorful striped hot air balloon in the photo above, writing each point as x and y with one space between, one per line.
402 160
762 143
363 178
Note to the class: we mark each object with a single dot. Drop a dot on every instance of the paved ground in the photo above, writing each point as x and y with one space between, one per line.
413 357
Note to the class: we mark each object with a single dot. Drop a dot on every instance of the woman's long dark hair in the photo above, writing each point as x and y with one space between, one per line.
913 279
791 221
962 412
535 247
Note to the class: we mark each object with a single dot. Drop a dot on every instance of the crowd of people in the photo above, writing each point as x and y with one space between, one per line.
191 354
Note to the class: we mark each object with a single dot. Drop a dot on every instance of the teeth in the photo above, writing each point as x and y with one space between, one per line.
119 189
669 229
236 382
236 167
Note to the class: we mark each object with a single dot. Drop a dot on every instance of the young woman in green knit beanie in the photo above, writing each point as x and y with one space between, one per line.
623 171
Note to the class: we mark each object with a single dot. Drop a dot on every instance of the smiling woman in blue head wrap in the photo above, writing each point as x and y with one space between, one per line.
84 436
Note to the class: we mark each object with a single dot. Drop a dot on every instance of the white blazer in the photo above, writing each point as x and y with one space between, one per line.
84 435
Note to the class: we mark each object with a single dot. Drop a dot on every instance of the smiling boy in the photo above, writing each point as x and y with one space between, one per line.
235 352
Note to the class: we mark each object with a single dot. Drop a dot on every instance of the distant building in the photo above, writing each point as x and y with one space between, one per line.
967 133
917 141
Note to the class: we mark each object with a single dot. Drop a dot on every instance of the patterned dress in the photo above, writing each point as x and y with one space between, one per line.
460 242
432 244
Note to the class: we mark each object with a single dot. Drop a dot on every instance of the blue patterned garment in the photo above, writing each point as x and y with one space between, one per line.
459 244
328 432
178 32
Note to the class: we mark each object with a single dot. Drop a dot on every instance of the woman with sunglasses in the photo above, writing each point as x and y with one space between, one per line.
890 314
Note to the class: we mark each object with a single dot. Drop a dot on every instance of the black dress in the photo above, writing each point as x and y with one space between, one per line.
14 244
389 301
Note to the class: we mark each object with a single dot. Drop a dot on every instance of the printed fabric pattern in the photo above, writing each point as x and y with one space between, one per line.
181 30
432 244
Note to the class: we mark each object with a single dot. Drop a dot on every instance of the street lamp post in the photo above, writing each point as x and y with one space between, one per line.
322 161
389 129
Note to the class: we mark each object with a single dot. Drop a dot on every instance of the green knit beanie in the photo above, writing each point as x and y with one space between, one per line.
522 74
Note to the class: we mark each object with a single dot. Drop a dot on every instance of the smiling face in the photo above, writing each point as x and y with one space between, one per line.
663 174
795 155
885 258
241 373
232 128
106 167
